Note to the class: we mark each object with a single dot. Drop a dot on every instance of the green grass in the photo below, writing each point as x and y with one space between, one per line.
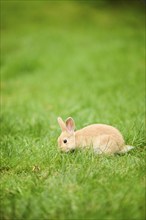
70 59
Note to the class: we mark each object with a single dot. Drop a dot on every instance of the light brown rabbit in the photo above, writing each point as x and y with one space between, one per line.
103 138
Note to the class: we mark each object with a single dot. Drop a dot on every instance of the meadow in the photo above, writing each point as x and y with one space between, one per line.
74 59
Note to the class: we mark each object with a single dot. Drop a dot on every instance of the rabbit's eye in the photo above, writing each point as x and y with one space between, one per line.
65 141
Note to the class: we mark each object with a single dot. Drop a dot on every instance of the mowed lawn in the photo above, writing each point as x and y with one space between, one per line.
74 59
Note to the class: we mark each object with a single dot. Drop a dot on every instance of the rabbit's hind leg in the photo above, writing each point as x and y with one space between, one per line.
105 144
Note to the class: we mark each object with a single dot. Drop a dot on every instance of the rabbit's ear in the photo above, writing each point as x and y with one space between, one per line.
70 124
61 123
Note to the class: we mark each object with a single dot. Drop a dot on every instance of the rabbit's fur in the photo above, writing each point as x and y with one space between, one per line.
103 138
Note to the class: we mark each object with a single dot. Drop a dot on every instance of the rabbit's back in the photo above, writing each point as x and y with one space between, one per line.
99 129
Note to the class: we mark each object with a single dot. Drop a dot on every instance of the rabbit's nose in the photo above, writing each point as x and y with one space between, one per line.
61 148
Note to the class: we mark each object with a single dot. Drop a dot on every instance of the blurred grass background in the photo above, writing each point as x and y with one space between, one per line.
84 59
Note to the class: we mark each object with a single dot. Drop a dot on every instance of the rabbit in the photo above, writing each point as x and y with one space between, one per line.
103 138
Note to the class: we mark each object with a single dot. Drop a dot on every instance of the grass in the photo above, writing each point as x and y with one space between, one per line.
70 59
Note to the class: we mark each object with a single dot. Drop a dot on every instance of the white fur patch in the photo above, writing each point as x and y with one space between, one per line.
98 150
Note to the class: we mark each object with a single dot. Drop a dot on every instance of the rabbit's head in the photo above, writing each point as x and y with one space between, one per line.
66 140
